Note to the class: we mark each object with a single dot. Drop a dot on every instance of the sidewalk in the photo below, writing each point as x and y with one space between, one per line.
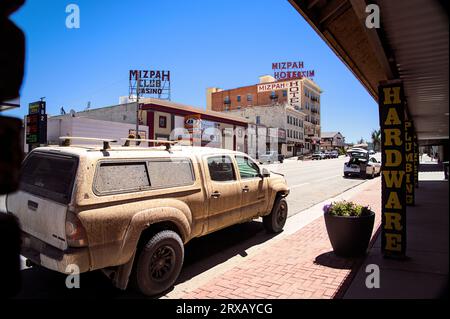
300 265
425 273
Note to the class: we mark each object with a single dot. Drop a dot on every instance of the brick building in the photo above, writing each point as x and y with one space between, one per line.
301 97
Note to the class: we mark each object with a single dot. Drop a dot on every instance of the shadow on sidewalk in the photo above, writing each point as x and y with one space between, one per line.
202 254
432 167
331 260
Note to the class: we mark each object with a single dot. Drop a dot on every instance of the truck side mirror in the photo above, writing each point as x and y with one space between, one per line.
265 173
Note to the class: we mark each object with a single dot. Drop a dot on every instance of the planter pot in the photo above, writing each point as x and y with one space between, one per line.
349 236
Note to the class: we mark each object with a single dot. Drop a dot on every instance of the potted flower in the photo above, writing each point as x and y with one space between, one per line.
349 227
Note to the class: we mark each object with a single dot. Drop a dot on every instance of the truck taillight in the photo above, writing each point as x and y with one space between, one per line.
75 232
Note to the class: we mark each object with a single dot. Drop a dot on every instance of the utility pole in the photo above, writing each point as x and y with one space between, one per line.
138 86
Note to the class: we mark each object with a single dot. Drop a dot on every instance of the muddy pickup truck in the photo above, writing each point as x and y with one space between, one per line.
129 211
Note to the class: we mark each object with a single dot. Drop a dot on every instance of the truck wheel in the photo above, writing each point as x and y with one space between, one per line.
274 222
159 263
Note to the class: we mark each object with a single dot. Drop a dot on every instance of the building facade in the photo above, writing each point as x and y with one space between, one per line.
332 141
280 124
164 120
302 124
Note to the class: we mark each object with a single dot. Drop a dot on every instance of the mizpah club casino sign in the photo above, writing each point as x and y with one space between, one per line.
150 82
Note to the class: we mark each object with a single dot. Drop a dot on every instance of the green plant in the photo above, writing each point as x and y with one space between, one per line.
344 208
376 139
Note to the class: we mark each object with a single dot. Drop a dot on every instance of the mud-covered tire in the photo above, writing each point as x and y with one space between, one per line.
275 221
159 263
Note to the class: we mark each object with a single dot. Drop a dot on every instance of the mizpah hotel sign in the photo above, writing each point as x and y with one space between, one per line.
291 73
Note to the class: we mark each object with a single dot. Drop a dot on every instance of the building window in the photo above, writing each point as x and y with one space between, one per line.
273 95
226 100
287 118
284 93
238 98
249 97
258 119
163 121
238 107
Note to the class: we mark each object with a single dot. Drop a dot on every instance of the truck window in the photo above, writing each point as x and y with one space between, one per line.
221 169
247 168
121 177
171 172
49 175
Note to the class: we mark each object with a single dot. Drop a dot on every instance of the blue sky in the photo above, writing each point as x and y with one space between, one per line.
224 43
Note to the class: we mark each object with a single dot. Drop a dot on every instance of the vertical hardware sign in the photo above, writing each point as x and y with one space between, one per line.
409 154
416 161
393 199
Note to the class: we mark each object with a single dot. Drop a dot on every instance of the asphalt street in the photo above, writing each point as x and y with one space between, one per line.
311 182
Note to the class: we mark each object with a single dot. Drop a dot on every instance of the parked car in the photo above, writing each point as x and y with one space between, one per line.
334 154
363 165
318 156
355 150
129 211
271 157
327 154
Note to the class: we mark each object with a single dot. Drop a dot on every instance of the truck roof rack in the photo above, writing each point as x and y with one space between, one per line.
67 140
168 144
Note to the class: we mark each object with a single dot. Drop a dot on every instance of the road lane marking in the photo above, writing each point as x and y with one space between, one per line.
327 178
298 185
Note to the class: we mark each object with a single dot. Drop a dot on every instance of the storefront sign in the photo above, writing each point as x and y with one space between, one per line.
36 130
294 95
142 134
409 157
309 130
193 125
281 135
393 199
416 161
291 87
192 121
276 86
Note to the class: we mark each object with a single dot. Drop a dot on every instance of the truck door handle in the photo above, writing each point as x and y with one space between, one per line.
216 194
246 189
32 205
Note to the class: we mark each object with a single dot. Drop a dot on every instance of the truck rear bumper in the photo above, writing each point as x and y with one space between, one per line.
52 258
